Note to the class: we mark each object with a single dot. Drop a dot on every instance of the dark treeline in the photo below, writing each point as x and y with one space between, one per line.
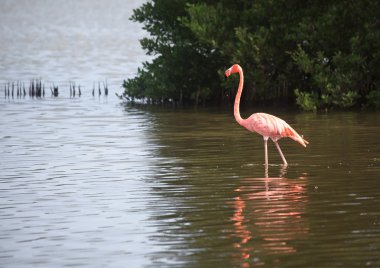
316 54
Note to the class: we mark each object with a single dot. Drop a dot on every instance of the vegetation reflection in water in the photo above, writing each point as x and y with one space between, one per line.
184 188
226 210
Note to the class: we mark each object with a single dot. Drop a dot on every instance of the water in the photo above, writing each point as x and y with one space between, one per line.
323 210
89 182
59 41
72 178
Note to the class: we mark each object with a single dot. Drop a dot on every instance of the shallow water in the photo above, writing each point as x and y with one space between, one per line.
59 41
90 182
322 210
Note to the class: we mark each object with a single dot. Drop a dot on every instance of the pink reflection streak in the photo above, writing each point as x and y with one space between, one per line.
268 216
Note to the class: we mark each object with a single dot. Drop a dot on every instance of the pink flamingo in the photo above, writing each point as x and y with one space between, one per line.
267 125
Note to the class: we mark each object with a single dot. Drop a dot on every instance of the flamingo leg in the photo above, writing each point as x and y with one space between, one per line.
266 151
281 154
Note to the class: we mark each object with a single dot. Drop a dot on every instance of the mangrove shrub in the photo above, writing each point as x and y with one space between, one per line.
316 54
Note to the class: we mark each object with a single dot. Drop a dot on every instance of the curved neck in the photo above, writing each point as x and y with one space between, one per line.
237 99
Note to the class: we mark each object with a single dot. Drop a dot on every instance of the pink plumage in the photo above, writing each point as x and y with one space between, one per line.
267 125
273 127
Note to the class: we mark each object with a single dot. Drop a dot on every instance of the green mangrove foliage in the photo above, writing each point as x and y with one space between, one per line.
317 54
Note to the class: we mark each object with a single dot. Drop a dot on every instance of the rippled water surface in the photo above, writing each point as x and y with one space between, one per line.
58 41
89 182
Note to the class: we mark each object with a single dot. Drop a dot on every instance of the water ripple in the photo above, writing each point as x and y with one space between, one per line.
120 185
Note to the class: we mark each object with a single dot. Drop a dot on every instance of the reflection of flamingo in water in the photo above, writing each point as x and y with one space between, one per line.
267 125
268 217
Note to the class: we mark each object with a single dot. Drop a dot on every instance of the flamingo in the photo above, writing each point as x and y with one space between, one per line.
267 125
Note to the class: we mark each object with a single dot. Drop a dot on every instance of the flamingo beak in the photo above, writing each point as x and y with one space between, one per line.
228 72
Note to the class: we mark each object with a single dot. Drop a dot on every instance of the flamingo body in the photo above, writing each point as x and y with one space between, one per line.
271 126
267 125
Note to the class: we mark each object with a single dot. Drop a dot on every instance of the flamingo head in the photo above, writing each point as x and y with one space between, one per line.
234 69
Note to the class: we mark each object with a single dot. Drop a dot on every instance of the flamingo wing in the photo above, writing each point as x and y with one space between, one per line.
271 126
